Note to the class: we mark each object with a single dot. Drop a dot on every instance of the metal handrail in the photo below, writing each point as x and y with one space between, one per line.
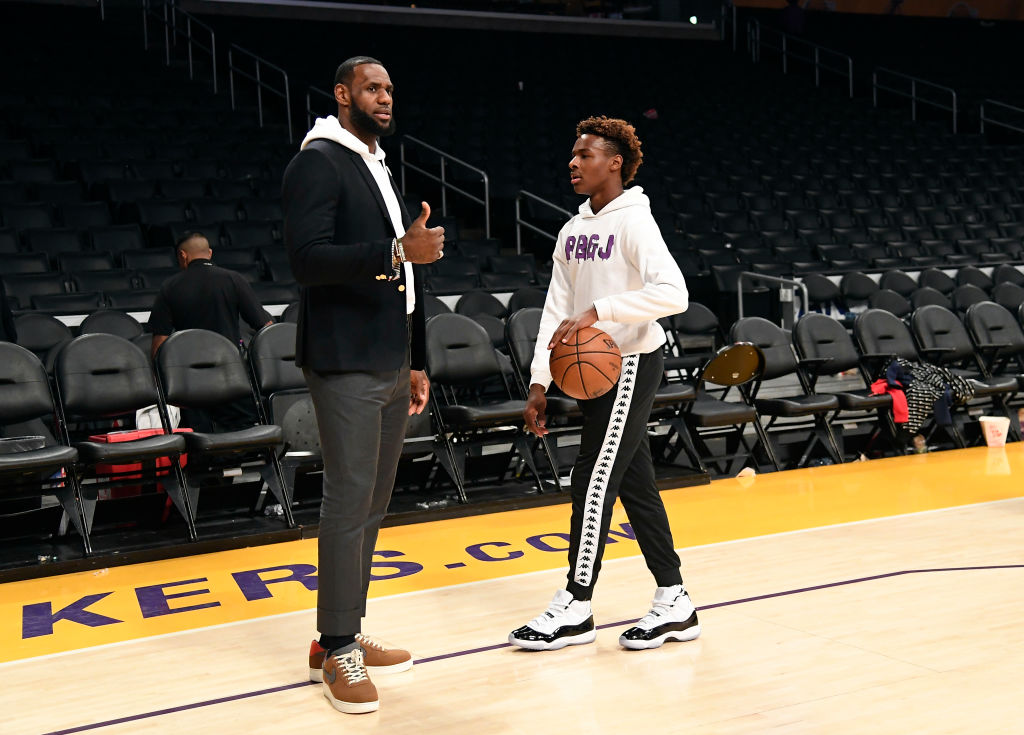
445 159
788 318
169 18
915 82
735 27
284 93
520 222
310 115
785 48
985 119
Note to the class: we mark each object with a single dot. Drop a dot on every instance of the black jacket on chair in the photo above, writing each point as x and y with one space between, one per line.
338 234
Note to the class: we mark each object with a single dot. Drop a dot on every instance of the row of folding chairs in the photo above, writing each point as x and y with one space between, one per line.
22 216
53 242
86 291
985 348
92 172
958 290
868 224
100 383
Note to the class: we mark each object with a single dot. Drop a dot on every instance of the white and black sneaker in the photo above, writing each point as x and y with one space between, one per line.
672 617
566 622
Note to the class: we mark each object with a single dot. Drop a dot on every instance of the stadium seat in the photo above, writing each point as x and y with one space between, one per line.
101 377
197 370
460 354
41 466
780 362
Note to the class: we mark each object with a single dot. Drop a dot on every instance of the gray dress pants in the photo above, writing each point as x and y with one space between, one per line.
361 417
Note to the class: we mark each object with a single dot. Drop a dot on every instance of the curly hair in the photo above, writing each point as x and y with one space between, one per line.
621 136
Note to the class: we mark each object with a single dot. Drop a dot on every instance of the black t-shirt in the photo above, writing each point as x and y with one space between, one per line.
205 296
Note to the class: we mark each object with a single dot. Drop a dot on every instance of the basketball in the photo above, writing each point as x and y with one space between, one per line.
588 365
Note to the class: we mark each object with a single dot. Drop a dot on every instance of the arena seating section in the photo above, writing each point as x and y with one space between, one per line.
107 156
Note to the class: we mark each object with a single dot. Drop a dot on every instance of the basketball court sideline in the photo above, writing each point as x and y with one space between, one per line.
880 596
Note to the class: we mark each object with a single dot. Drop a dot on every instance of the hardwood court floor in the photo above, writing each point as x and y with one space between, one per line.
902 618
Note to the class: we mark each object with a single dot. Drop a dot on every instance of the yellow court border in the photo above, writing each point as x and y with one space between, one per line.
56 614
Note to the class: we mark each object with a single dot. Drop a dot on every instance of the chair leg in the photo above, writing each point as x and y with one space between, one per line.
70 498
690 439
552 460
522 444
447 459
686 441
273 475
829 438
1002 402
182 495
766 442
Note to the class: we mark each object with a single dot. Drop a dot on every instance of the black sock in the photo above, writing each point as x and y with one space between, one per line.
334 642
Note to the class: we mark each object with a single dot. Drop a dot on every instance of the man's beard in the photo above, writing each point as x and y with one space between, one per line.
369 124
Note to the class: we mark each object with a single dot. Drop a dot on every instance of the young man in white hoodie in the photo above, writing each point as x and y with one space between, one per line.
612 270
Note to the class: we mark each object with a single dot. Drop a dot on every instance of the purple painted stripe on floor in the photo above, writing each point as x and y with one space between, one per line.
482 649
180 708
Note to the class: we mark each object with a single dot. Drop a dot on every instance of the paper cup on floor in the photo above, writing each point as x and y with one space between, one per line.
994 429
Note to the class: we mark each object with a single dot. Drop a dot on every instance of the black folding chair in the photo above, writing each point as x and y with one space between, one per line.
780 361
734 366
460 358
824 347
32 466
100 378
200 370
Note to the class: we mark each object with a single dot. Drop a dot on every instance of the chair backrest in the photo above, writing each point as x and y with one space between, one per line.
881 333
820 337
733 365
973 275
24 387
111 321
1008 294
966 295
41 332
992 324
480 302
526 298
857 287
201 369
900 282
136 299
695 321
432 306
1006 272
773 341
936 279
104 375
928 295
521 335
889 300
459 351
820 289
937 327
272 355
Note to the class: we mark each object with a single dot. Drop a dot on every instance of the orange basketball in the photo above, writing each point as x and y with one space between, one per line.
588 365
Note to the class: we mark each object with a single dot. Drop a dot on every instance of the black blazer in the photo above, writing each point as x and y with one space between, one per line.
338 234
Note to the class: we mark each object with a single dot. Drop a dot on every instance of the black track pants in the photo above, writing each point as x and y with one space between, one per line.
615 461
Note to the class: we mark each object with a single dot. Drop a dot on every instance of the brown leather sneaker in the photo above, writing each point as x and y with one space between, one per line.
378 658
346 684
382 660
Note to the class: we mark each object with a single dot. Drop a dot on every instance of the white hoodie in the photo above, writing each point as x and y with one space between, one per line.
329 128
617 261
